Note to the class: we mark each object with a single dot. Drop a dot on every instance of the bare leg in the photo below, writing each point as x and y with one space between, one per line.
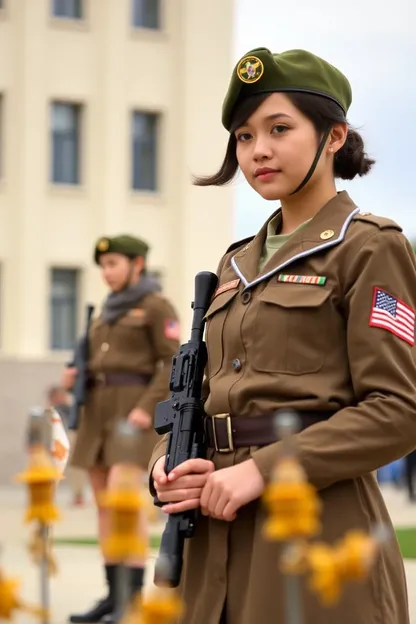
130 575
113 479
77 477
99 480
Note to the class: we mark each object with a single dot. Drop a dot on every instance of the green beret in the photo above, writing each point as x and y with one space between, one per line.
260 71
129 246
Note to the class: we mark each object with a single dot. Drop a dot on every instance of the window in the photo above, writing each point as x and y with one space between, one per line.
67 8
65 136
144 151
63 308
146 14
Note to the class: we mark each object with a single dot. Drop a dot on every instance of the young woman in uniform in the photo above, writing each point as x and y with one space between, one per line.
314 313
132 343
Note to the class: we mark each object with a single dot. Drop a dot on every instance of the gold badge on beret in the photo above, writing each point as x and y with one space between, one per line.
250 69
103 244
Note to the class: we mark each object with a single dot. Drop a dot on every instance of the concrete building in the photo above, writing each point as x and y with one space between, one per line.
106 109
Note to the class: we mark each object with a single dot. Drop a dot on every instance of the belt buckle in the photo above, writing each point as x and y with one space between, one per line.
230 447
100 378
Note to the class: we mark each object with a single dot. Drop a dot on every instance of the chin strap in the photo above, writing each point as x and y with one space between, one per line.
315 162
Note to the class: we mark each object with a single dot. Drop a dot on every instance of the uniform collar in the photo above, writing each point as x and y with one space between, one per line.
327 228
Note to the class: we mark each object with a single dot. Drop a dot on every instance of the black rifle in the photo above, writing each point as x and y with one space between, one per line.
80 361
182 416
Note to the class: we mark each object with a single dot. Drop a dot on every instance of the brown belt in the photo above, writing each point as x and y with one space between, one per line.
119 379
226 433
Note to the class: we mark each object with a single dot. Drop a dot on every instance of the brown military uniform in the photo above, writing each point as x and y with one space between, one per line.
311 347
130 365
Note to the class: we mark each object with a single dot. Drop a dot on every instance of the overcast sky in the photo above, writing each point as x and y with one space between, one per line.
374 44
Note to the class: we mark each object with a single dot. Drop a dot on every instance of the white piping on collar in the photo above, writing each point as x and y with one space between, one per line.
302 254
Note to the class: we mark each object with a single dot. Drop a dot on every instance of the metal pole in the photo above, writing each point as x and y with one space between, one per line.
123 585
44 574
294 610
40 432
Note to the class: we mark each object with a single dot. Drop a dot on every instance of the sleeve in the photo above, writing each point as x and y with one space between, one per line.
165 334
158 452
381 426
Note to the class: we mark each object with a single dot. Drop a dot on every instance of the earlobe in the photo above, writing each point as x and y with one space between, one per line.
338 137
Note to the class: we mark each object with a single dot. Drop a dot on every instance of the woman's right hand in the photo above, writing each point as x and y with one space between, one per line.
182 488
68 377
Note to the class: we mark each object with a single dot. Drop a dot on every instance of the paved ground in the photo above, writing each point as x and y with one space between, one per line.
79 578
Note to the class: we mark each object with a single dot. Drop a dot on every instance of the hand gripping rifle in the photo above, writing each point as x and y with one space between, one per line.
182 416
80 361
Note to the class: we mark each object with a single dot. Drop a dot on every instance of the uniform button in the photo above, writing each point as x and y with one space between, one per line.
105 347
237 366
246 296
326 234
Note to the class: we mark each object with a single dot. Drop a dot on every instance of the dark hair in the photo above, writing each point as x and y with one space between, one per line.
349 161
143 272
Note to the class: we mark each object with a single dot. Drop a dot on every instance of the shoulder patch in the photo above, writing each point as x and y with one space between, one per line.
381 222
239 243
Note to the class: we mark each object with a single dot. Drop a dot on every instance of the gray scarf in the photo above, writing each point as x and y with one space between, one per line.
119 303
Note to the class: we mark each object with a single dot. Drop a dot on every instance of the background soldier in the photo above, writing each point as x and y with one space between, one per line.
132 343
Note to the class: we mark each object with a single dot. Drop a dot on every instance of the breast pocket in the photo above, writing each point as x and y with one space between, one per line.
129 320
217 318
132 331
290 329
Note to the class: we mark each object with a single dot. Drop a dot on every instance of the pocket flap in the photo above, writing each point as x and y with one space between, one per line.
295 295
132 321
221 301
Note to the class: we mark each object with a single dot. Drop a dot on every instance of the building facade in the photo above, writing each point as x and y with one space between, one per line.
107 107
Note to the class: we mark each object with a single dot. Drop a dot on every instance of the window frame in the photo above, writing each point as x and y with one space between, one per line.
156 173
77 179
77 18
75 301
133 11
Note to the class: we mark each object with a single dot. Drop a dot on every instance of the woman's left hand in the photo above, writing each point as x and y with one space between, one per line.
228 489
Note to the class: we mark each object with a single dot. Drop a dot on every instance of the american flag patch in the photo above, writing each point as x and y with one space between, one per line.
390 313
172 329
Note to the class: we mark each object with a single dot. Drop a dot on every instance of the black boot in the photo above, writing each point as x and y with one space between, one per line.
136 578
102 607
